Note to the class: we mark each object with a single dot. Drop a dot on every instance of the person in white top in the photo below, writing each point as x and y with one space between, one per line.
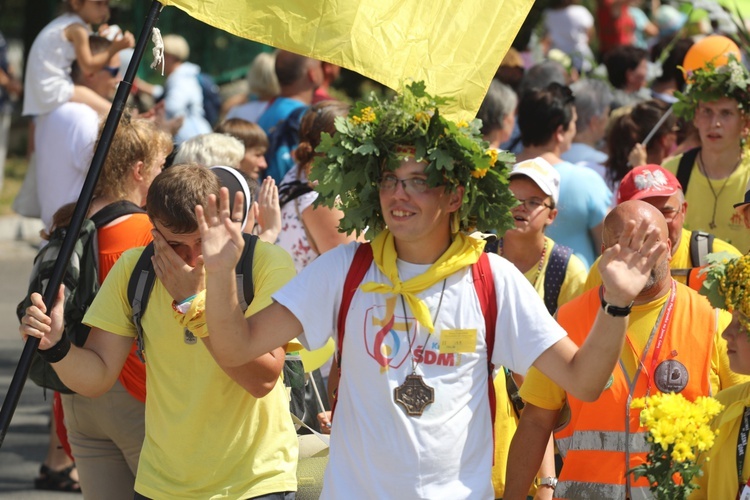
569 27
413 416
65 137
48 83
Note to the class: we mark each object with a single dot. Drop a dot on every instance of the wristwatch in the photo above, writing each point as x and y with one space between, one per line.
614 310
550 482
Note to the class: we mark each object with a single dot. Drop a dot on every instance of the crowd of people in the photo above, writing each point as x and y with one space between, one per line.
491 296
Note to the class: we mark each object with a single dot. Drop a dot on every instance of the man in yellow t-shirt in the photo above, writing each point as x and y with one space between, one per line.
658 187
210 432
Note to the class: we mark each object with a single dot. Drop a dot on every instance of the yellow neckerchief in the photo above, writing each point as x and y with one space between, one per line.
463 252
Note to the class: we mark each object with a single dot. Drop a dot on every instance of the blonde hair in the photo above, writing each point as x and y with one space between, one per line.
136 139
261 77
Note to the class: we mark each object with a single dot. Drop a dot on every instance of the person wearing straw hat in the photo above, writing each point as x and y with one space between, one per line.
413 414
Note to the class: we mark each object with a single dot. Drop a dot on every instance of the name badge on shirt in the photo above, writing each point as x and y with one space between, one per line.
745 495
455 341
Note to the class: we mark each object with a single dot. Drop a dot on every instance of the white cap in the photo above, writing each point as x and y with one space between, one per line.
542 173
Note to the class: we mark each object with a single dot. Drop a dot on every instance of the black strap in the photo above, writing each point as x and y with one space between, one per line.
290 191
554 275
143 277
742 444
701 244
685 167
115 211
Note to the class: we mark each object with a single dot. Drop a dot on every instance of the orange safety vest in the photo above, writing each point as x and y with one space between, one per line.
603 440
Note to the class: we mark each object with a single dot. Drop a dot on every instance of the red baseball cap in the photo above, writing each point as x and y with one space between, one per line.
647 181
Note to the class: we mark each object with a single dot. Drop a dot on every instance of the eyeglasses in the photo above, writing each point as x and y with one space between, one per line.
669 213
532 204
112 70
417 185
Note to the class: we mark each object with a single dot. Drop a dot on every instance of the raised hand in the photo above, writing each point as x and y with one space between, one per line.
221 236
269 213
627 265
36 323
179 278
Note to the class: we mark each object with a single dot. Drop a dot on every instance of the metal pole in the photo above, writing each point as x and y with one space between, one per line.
79 214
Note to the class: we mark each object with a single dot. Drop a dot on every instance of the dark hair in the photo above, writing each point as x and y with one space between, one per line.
97 44
631 128
620 60
541 75
176 191
542 111
316 120
249 133
289 67
670 70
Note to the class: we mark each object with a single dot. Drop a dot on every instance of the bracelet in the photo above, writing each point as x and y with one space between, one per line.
189 299
57 351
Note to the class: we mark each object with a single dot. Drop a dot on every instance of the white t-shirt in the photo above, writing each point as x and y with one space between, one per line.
568 30
48 82
64 141
377 450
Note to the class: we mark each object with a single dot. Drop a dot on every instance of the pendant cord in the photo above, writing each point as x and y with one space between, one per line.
702 168
414 364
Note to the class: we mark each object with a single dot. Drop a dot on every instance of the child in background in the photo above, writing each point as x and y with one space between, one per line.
48 83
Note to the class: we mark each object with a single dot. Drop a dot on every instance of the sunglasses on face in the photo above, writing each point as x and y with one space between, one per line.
112 70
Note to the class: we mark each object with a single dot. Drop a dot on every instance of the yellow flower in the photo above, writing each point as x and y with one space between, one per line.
367 115
422 117
462 124
478 173
493 156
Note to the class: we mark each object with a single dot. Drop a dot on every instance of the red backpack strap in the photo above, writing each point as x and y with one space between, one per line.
485 288
357 270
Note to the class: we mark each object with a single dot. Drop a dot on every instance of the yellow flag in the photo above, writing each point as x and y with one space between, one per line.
455 46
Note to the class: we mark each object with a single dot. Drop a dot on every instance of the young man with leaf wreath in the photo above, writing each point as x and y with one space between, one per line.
414 416
714 175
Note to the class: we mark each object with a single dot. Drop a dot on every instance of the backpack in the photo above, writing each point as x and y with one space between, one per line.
283 138
142 282
483 284
81 280
701 244
685 168
211 98
554 274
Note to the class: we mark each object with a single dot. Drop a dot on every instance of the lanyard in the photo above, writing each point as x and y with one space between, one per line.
666 320
742 444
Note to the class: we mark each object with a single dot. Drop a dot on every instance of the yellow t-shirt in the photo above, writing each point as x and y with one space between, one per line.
680 260
730 226
575 277
540 391
206 437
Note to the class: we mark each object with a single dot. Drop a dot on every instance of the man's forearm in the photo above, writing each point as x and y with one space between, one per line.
226 323
527 450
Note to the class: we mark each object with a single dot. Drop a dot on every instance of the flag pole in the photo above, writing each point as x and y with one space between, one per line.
79 214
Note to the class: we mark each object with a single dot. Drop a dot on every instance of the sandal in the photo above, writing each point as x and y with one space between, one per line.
56 480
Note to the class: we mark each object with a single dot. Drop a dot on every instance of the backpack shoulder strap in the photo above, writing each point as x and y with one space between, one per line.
685 167
244 272
139 290
701 244
114 211
554 275
485 287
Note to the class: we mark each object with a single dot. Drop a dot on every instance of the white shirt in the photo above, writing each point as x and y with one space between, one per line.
377 450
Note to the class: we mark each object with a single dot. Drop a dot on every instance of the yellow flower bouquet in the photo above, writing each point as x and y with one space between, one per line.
679 430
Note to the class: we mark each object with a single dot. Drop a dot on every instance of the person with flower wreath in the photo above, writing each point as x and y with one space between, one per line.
413 417
726 469
673 344
716 100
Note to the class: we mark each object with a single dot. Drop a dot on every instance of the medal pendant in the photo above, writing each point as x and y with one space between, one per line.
712 225
414 395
